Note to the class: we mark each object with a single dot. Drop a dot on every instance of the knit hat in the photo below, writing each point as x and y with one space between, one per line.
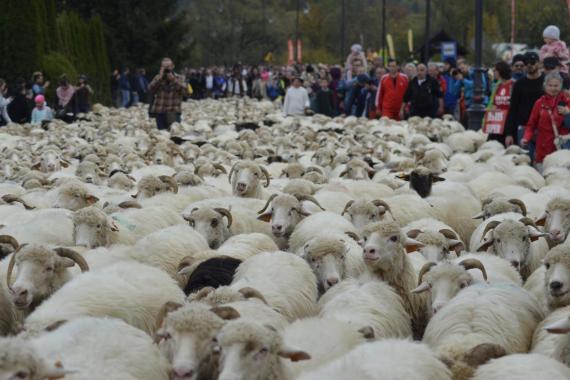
551 31
40 100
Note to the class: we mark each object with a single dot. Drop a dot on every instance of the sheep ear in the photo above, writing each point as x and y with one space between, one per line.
225 312
559 327
412 245
405 177
64 163
456 245
535 234
56 371
485 246
37 165
541 220
481 215
65 262
265 217
91 199
293 355
424 287
367 332
54 326
437 178
113 227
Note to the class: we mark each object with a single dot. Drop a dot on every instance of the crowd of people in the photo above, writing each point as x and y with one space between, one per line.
532 91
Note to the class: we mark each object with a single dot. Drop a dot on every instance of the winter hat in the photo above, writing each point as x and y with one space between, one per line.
40 100
356 48
551 31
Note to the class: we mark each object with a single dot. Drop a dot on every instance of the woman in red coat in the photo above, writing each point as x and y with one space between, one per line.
546 111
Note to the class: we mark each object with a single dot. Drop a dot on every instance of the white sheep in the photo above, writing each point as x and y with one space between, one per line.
315 224
556 219
245 177
522 366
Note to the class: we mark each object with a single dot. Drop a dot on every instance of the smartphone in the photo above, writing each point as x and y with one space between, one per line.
561 104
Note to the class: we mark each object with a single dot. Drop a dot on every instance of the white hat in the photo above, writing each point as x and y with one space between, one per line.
551 31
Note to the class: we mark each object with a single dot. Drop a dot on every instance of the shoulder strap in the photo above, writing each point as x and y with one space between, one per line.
554 129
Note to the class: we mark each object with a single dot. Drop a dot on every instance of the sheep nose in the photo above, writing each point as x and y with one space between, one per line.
182 373
555 234
370 251
277 227
89 179
241 186
159 161
332 281
516 264
555 285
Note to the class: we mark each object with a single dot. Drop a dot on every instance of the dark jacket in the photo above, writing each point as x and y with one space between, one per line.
423 98
324 102
524 95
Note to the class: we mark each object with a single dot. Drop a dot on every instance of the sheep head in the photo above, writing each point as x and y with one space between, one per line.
245 177
150 186
73 196
210 224
421 180
556 219
437 244
92 228
362 212
557 276
326 256
284 211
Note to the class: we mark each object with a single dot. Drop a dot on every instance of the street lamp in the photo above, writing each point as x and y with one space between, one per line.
383 32
342 16
477 110
428 27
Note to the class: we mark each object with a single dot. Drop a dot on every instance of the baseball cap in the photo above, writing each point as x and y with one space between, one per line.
531 56
518 58
550 63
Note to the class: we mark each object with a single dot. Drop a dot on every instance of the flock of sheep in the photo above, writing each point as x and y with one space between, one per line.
244 245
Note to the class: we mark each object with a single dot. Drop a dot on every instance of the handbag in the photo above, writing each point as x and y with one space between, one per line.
560 142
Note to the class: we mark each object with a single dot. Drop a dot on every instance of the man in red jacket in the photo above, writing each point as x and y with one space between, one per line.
391 92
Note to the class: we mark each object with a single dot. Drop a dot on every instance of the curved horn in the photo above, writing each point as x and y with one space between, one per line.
426 268
474 264
378 203
313 168
220 167
10 198
130 204
347 206
449 234
267 204
266 174
414 233
353 236
309 198
490 226
232 170
11 265
170 181
343 173
527 221
71 254
168 307
7 239
177 151
248 293
225 212
519 203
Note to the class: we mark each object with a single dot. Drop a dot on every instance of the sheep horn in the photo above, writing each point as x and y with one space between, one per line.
171 182
491 225
266 174
354 236
232 172
414 233
301 197
426 268
248 293
378 203
474 264
486 201
225 212
449 234
177 151
10 198
11 265
527 222
343 173
267 204
7 239
314 169
519 203
220 167
130 204
168 307
71 254
347 206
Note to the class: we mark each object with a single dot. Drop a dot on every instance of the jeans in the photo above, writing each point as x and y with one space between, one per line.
126 98
162 120
135 98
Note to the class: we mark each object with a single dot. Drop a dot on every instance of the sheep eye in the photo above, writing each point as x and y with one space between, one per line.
157 189
394 238
166 336
214 223
49 269
98 226
371 217
498 240
21 375
547 265
462 285
255 174
191 223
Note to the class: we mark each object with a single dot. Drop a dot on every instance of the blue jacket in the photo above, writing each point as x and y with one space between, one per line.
356 101
452 91
124 83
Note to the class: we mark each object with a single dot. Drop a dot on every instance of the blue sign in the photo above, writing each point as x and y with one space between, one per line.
448 50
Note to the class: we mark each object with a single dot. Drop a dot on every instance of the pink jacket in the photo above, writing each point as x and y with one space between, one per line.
556 49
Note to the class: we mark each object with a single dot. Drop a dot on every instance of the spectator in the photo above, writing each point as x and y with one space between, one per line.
336 75
83 95
518 67
219 83
391 92
554 47
553 64
168 89
357 96
236 84
115 88
252 82
133 85
39 87
501 95
355 62
4 102
142 85
125 87
263 83
525 92
424 95
410 70
378 73
433 71
41 112
324 99
296 99
209 83
65 93
452 88
18 109
545 118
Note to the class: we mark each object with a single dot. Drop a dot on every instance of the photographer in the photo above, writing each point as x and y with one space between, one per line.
168 89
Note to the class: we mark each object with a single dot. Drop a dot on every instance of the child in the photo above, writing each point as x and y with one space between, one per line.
324 99
554 47
41 112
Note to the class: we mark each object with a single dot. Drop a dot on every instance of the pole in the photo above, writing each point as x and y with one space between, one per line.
477 109
296 30
427 35
513 13
342 16
384 32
